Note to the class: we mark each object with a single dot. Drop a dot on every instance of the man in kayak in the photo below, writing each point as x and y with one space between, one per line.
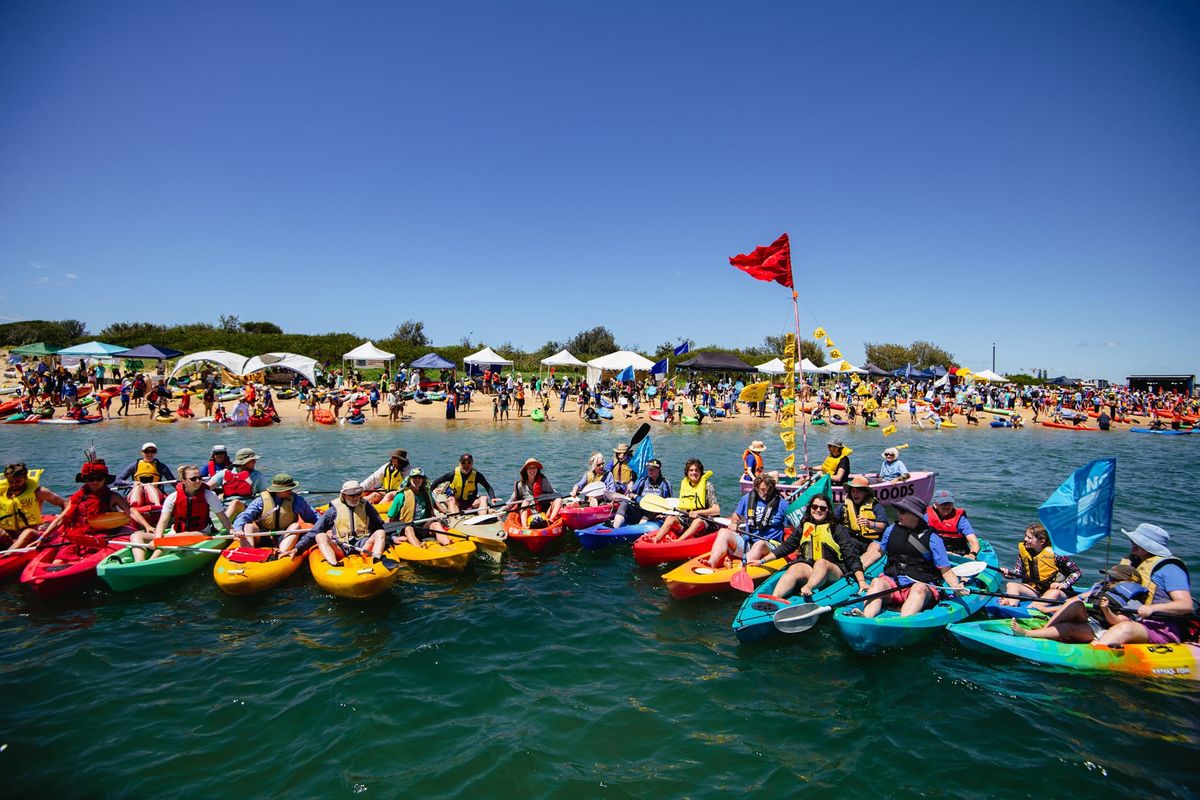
620 476
629 512
382 484
1039 571
276 509
21 507
190 507
697 500
825 550
143 475
350 524
764 512
916 557
462 486
952 525
1159 577
837 465
414 505
752 460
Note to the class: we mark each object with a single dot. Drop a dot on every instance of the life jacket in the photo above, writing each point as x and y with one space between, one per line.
830 464
191 511
350 522
146 472
623 474
21 511
1039 568
694 498
408 503
391 479
772 506
1144 571
236 483
866 510
87 505
813 541
276 516
908 554
758 463
463 486
946 528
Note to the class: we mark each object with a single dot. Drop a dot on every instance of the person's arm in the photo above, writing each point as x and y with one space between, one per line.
964 527
941 561
222 517
250 513
57 522
1069 569
482 481
166 516
326 521
373 519
125 478
444 479
164 472
44 495
713 508
901 469
1175 582
789 545
373 480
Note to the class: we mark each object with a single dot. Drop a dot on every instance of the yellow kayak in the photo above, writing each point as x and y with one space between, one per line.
357 578
697 577
249 577
948 424
454 556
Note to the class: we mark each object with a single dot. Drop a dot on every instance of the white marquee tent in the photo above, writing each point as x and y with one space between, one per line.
989 376
222 358
487 357
563 359
615 362
296 363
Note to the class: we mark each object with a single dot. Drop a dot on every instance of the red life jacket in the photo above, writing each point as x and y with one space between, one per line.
191 511
946 528
236 484
87 505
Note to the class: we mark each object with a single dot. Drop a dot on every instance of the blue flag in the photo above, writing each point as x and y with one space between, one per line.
1079 513
643 453
659 368
683 348
625 375
795 509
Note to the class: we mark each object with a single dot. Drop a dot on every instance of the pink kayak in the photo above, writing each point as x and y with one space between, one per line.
920 484
579 517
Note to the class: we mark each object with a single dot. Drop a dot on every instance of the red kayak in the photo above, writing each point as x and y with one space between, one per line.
1065 427
535 539
648 553
580 517
11 564
71 565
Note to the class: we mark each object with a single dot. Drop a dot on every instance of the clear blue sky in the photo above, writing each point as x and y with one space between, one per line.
1020 172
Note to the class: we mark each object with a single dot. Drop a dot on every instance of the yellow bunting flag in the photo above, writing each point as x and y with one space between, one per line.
862 390
788 392
789 346
789 439
789 366
889 430
754 393
790 461
835 353
870 405
845 367
829 342
819 333
854 379
787 419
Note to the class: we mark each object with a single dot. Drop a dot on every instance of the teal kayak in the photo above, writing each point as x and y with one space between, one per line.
123 574
1177 661
889 629
755 620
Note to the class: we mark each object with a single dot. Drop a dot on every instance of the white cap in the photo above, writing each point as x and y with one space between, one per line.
354 487
149 445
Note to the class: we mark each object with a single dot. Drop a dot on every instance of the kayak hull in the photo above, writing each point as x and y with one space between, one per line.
123 574
76 568
1157 661
695 577
649 554
890 630
578 517
251 577
600 536
920 484
452 557
358 577
535 540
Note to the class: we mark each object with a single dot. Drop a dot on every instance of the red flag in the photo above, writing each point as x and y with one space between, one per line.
771 263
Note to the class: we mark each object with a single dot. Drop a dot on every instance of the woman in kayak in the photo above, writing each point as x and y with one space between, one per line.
826 551
92 499
595 474
892 468
190 507
652 483
414 504
697 500
763 510
530 485
1039 571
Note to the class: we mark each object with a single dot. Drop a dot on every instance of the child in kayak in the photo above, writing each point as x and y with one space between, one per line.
1039 571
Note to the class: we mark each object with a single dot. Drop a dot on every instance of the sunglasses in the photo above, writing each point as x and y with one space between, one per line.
195 479
819 508
150 450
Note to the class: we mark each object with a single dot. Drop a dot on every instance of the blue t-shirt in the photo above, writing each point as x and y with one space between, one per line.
1170 578
937 550
771 528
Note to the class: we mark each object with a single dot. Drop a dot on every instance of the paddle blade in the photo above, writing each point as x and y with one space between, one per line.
799 618
642 432
742 581
969 569
593 489
655 504
179 541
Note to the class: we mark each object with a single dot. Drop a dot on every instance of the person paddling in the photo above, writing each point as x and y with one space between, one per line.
414 501
277 509
1039 571
93 498
349 525
697 500
826 551
531 484
462 486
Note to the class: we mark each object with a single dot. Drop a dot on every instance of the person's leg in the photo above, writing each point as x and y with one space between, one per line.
1068 624
140 537
727 542
791 578
249 541
873 607
823 573
919 596
668 527
698 526
1127 632
1013 587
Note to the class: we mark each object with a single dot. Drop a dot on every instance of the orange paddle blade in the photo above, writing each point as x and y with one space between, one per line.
179 540
742 581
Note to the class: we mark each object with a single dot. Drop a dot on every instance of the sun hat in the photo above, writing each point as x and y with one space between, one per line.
529 461
352 487
835 442
858 482
220 448
94 469
283 483
149 446
654 462
400 454
942 496
1150 538
912 505
244 455
621 448
417 472
756 446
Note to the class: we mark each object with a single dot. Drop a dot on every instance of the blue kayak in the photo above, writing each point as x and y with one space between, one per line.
1163 432
1001 423
604 413
889 629
755 620
599 536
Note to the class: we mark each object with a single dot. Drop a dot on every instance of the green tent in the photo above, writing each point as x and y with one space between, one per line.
37 350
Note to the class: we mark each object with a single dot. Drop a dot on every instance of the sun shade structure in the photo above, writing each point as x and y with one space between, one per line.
149 352
487 357
431 361
35 350
772 367
563 359
716 362
367 351
620 360
91 350
989 376
302 365
232 362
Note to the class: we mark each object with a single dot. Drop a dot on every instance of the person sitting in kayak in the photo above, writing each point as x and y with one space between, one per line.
1039 571
764 512
190 507
752 460
349 525
697 500
620 476
916 557
414 505
837 465
76 412
629 512
826 551
21 507
142 475
892 468
863 517
952 525
382 485
93 498
276 509
595 474
1159 577
218 460
239 482
531 484
462 486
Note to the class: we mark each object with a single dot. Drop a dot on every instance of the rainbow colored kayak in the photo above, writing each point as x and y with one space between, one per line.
1172 661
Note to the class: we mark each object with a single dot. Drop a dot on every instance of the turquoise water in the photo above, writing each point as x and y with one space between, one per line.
571 676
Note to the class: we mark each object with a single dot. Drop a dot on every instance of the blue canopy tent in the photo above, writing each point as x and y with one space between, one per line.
910 372
937 372
431 361
149 352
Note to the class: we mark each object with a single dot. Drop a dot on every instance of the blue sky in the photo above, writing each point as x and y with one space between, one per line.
1021 172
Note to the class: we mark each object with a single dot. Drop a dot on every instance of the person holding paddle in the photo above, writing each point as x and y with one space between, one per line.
279 509
825 552
462 486
1039 571
652 483
764 512
620 475
697 500
596 472
414 502
21 507
92 499
349 524
190 507
531 484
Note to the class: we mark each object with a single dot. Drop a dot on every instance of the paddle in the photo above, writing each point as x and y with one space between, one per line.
494 545
141 546
741 579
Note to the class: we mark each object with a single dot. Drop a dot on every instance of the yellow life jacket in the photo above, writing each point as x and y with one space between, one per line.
391 479
1040 569
350 522
147 471
408 503
694 498
463 486
23 511
829 465
852 515
622 473
1145 570
277 516
813 541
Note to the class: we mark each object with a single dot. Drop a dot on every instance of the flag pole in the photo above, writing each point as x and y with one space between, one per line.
800 367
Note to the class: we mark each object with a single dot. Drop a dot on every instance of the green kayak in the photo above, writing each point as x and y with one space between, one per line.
889 629
537 415
123 574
